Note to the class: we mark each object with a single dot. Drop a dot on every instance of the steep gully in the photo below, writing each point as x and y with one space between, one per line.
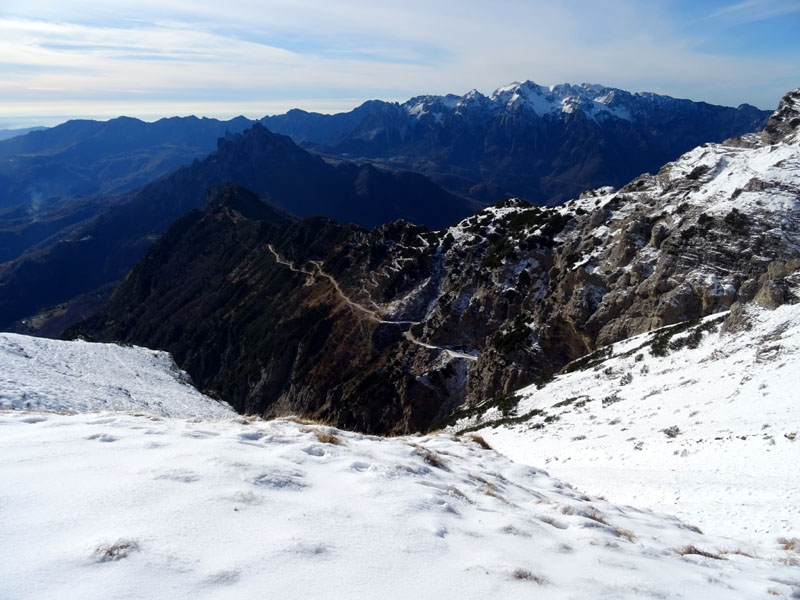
369 313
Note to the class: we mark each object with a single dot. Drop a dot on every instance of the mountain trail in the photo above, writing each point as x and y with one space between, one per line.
371 314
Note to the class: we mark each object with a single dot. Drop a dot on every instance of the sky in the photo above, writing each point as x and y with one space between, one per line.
155 58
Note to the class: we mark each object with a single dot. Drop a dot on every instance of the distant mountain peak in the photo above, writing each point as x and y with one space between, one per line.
243 203
588 98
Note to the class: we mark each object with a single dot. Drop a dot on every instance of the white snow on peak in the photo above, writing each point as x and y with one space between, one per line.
511 87
592 99
450 101
596 101
416 110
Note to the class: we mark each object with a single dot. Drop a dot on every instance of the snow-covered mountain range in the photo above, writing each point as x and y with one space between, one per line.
543 144
597 102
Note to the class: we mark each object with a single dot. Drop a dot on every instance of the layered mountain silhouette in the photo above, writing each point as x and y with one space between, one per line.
53 178
86 157
392 329
542 144
95 252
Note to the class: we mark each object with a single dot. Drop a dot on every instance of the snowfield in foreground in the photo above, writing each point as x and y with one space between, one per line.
112 505
710 433
53 375
119 480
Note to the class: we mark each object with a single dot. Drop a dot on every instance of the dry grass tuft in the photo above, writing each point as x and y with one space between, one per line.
692 528
595 516
480 441
302 420
249 419
492 493
327 438
737 551
526 575
567 510
457 493
431 457
790 544
604 543
625 533
684 550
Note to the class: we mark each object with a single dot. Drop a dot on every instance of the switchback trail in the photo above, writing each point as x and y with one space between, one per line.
371 314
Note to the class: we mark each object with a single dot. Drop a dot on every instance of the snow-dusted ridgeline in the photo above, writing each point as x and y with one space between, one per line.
38 374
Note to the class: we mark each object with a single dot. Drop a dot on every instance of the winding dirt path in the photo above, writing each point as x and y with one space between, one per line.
371 314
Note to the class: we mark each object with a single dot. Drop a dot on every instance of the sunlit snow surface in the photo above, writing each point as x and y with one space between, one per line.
108 505
130 504
732 465
53 375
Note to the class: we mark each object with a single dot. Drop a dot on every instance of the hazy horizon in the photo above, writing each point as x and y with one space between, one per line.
224 113
101 59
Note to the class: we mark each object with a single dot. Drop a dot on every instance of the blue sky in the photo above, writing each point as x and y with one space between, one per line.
175 57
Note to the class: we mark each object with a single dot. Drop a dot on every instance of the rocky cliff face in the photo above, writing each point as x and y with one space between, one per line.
391 329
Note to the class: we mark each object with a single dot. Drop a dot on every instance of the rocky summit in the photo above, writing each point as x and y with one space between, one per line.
392 329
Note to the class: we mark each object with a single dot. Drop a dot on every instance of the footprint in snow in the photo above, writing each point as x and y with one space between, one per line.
246 498
33 419
224 577
359 466
199 434
314 450
281 480
310 549
115 551
101 437
251 436
182 475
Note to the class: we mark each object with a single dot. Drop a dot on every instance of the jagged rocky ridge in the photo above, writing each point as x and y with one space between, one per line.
390 330
544 144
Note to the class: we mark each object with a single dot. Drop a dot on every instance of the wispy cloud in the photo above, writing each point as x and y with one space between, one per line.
751 11
281 53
